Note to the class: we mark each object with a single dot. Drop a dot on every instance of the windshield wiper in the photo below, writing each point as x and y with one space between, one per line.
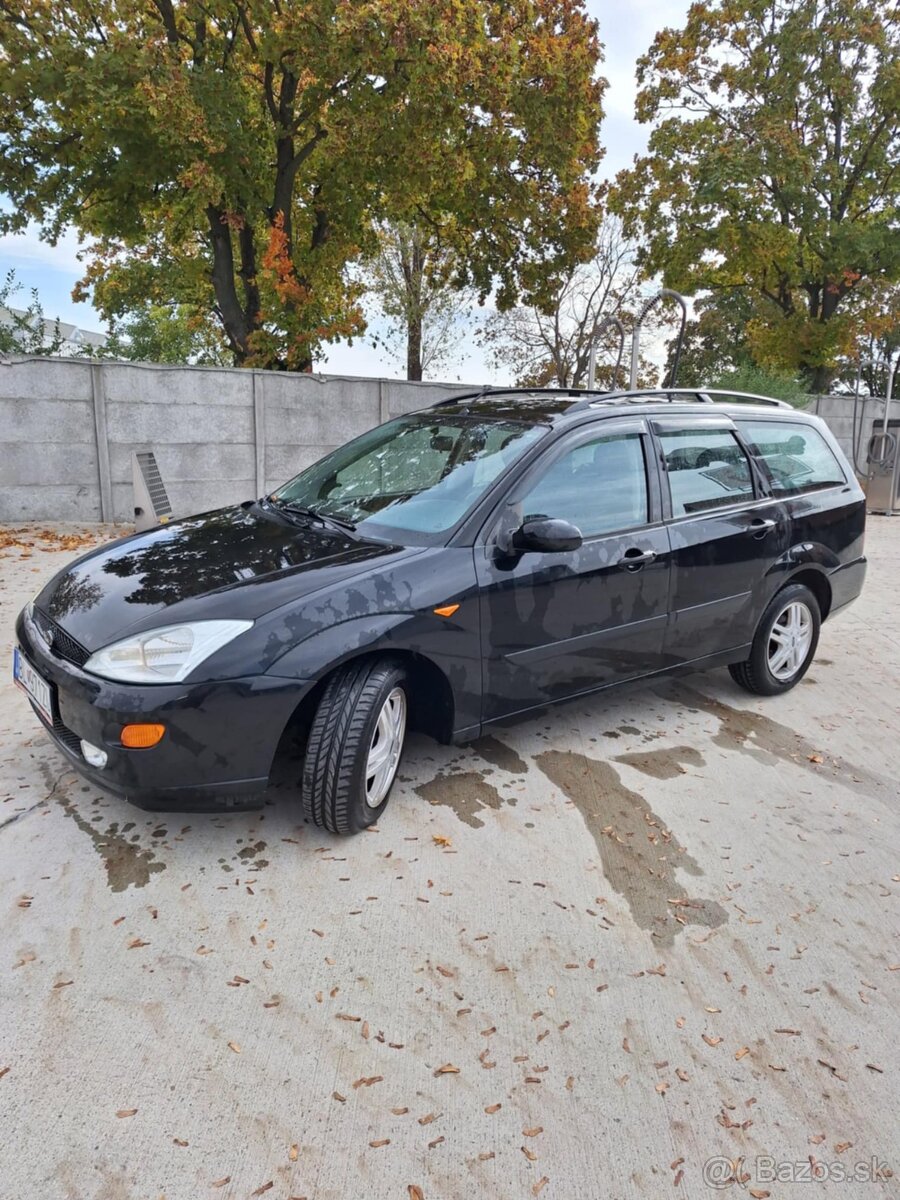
316 514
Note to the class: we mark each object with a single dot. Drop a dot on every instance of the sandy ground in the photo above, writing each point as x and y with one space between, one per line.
640 947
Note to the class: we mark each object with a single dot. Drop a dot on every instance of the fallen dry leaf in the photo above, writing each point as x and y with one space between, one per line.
217 1183
265 1187
440 840
533 1132
739 1054
415 1192
540 1185
492 1108
294 1152
380 1142
447 1069
126 1112
235 1047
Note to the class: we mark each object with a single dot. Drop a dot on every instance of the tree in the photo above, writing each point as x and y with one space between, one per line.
550 345
411 276
166 334
773 165
232 155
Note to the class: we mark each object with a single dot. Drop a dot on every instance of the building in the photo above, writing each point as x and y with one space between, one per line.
59 338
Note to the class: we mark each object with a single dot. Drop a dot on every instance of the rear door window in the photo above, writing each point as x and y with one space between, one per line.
706 469
797 457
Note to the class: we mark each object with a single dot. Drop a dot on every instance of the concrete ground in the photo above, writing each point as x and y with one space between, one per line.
647 945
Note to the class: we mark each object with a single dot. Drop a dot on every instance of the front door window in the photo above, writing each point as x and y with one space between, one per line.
599 486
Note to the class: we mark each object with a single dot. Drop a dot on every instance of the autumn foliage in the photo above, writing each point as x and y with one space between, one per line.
235 156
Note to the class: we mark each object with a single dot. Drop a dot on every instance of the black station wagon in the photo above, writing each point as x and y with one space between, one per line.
449 570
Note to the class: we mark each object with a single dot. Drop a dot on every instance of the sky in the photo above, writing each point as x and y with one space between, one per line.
625 30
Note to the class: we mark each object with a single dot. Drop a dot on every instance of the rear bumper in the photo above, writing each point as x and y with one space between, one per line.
220 738
846 583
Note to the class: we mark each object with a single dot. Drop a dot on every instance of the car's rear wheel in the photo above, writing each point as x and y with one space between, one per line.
355 744
784 644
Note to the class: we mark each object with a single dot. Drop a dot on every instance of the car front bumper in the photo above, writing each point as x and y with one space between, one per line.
219 743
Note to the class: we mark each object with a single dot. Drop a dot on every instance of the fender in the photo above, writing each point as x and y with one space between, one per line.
327 648
448 646
806 554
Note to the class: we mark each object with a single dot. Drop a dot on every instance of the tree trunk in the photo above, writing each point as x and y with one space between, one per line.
414 347
234 319
818 379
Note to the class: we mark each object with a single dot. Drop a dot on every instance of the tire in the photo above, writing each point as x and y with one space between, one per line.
364 705
763 673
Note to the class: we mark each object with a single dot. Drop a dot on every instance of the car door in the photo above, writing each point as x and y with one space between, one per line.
726 534
556 624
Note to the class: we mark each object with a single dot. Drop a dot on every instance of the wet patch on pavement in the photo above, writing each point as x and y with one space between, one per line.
664 764
640 856
466 793
127 863
494 751
762 738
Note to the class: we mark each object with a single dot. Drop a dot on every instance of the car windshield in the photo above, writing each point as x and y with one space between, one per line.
417 475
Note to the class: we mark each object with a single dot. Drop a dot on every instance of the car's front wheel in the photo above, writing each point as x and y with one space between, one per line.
354 746
784 645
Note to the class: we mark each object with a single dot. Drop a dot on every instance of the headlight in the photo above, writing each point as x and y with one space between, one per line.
165 655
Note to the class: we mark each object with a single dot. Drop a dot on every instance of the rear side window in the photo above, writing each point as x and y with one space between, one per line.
797 456
706 469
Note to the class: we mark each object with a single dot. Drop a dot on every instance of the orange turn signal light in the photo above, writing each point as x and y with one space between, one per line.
446 610
141 737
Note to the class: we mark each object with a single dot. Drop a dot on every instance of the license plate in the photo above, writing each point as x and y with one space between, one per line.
32 684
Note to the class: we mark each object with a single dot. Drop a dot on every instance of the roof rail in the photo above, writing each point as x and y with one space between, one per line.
585 399
647 395
674 396
718 396
491 389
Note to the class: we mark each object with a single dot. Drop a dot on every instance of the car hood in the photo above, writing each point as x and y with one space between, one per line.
232 563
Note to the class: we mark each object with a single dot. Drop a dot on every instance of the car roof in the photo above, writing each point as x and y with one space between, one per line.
556 404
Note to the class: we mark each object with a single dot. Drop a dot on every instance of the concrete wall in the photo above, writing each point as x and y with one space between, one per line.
68 428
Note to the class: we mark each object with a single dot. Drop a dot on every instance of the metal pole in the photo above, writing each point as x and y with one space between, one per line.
892 493
662 294
592 364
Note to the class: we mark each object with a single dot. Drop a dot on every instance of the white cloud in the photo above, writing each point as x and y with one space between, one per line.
28 248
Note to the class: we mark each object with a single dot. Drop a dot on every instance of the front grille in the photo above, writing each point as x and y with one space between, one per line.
62 644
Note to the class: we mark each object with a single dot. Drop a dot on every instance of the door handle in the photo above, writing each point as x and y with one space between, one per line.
761 526
634 559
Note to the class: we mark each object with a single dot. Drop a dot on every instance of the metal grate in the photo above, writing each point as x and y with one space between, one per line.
151 500
62 733
62 644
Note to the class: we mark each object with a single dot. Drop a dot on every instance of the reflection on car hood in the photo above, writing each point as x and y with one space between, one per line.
234 562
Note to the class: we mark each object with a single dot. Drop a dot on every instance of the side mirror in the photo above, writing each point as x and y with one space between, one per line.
547 535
